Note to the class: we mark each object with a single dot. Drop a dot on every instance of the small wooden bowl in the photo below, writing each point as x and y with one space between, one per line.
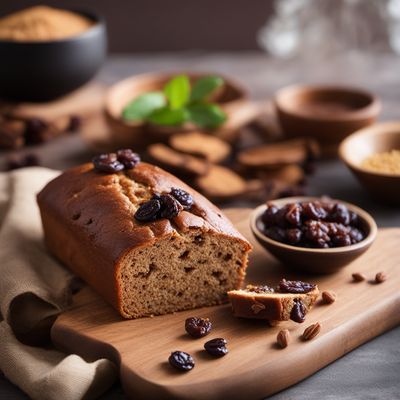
319 261
233 99
325 113
378 138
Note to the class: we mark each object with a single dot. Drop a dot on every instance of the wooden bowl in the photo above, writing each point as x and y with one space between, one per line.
233 99
319 261
325 113
378 138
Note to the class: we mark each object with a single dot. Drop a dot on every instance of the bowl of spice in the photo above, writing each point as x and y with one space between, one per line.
46 52
326 113
311 234
373 155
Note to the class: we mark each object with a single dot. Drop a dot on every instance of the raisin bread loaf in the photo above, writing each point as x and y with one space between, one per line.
290 300
141 268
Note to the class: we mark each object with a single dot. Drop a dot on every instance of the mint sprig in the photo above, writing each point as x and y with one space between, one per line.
179 103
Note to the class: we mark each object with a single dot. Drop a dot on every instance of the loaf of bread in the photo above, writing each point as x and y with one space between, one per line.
141 268
281 304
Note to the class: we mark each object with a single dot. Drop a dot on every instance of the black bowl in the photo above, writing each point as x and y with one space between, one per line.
46 70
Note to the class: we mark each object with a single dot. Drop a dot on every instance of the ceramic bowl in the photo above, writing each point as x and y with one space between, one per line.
45 70
312 260
233 99
325 113
378 138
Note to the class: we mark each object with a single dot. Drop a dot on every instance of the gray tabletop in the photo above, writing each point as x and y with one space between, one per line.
372 370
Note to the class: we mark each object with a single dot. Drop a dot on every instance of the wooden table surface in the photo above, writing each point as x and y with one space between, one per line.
371 371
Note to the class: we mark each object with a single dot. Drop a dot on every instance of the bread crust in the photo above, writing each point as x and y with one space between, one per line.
88 220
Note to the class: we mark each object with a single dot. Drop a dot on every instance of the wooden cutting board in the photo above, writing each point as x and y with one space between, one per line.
255 366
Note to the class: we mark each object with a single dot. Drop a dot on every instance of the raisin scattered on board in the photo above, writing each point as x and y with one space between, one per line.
181 361
216 347
198 327
148 211
298 313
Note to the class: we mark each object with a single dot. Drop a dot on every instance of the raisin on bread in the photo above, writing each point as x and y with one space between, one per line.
168 264
290 300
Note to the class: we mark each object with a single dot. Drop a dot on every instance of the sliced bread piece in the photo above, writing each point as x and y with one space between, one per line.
290 300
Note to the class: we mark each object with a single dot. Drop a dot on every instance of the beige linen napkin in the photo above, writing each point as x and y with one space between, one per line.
34 289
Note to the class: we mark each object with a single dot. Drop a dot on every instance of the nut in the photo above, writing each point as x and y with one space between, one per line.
380 277
329 296
311 331
257 307
283 338
358 277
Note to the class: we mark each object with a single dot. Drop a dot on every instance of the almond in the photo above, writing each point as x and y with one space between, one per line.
311 331
380 277
257 307
329 296
283 338
358 277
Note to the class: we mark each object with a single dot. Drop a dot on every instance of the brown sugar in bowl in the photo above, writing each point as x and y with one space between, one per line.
314 260
326 113
233 99
379 138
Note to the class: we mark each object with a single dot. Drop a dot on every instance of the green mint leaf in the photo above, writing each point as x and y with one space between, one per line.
142 106
203 87
177 91
166 116
206 115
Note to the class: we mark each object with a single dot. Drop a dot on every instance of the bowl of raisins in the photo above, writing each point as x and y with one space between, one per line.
310 234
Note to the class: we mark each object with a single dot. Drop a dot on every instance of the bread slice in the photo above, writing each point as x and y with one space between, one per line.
142 269
264 303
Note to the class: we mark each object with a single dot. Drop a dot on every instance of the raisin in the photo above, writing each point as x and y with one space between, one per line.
295 286
181 360
293 236
314 210
34 131
340 214
216 347
268 216
356 235
276 233
198 327
298 313
259 289
183 197
316 232
128 158
280 217
170 207
148 211
27 160
107 163
293 215
341 240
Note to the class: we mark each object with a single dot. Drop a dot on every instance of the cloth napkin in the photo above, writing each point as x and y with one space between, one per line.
34 289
